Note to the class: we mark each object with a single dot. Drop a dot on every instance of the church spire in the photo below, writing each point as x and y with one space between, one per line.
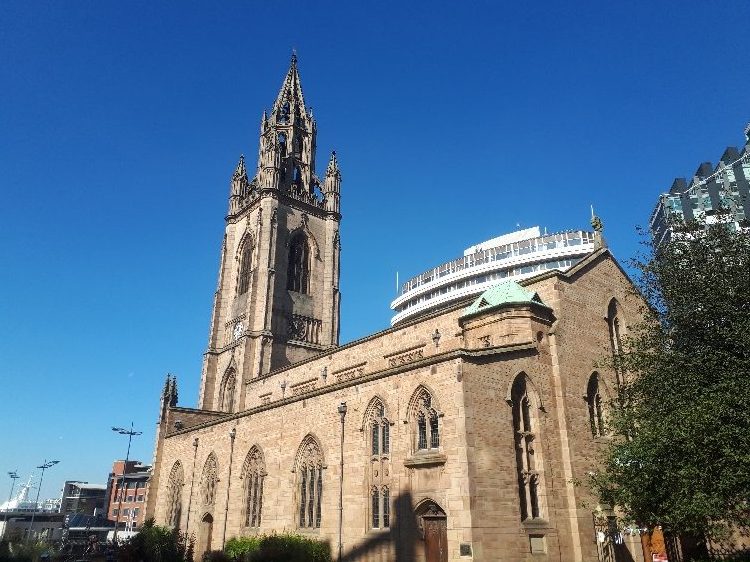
290 100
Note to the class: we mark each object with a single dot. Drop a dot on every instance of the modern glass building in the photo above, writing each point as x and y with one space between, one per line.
513 256
723 186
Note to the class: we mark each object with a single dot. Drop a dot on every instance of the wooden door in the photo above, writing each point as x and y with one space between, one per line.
435 538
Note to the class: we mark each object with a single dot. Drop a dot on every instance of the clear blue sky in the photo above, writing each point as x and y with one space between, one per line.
121 123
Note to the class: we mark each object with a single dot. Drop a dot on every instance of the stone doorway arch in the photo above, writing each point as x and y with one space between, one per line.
205 534
433 526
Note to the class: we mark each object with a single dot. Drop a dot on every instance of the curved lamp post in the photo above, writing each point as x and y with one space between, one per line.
44 466
130 433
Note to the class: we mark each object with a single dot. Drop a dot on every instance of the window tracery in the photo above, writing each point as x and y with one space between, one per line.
427 422
309 483
298 275
376 427
528 459
174 495
253 474
209 479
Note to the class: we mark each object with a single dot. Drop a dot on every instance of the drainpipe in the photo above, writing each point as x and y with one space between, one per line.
232 435
342 413
192 482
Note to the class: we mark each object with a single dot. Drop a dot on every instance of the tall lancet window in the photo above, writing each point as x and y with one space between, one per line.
209 479
246 268
528 456
298 143
377 430
174 495
282 144
253 474
427 421
614 323
596 406
227 391
309 483
298 276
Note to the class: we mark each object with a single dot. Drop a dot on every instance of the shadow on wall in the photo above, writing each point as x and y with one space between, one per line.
402 537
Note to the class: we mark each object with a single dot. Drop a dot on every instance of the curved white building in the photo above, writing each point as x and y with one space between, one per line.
513 256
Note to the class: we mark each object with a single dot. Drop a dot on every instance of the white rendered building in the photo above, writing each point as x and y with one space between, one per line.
513 256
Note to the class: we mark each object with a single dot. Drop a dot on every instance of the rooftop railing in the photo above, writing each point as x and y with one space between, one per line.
506 251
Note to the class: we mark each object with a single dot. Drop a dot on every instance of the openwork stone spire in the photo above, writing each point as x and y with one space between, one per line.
291 91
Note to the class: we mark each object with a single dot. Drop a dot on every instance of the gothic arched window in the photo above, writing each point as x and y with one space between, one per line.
226 394
253 474
298 143
174 495
309 483
528 460
209 479
298 276
282 144
297 177
615 326
246 268
379 431
427 422
596 406
376 428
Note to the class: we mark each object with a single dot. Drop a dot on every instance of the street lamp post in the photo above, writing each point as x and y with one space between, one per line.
44 466
130 433
14 476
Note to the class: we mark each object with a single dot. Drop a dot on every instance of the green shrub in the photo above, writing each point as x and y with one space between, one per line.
278 548
239 548
156 544
215 556
24 552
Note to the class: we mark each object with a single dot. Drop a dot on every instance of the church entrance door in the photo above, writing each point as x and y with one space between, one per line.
204 535
434 525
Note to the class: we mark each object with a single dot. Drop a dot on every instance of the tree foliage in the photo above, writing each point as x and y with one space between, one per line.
154 543
681 456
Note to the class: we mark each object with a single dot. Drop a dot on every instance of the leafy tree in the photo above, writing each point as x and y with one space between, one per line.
157 544
681 456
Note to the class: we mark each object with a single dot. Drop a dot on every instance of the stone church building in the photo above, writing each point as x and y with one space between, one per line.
457 435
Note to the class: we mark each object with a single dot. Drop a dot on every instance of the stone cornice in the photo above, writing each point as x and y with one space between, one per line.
461 353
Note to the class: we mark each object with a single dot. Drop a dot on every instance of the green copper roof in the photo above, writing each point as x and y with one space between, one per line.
508 292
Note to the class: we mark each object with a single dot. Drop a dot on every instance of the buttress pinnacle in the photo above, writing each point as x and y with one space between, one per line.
333 165
240 171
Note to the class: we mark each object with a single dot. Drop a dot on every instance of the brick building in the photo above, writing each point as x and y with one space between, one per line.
127 488
455 435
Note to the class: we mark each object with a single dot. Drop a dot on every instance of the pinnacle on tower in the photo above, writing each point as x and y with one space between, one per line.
333 166
290 93
240 171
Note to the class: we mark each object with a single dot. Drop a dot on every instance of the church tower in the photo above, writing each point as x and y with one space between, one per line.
277 299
